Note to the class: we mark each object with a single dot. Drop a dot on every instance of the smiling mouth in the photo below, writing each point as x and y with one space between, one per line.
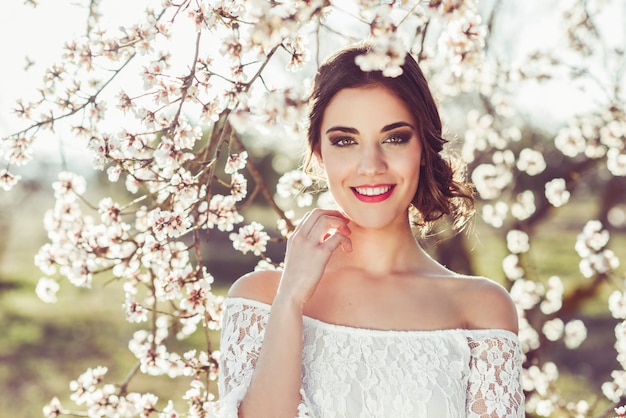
372 191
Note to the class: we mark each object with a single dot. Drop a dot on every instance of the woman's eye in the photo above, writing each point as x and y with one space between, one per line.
398 139
343 141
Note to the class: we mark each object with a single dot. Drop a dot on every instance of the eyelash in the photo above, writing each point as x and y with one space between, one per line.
398 138
395 139
341 141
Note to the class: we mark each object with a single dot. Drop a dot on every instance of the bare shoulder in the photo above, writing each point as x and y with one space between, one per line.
257 285
488 305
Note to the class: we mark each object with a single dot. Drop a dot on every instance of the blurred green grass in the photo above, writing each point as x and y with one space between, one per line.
44 347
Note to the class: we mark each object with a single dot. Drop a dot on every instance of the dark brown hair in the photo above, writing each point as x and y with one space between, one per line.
439 193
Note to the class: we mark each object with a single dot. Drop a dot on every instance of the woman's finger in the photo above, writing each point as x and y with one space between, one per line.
311 218
336 240
326 225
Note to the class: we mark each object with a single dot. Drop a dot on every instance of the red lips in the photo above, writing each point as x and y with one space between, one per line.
373 194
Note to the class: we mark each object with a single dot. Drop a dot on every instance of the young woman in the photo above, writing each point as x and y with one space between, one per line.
361 322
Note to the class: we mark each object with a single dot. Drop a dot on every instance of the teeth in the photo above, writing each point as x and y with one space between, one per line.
372 191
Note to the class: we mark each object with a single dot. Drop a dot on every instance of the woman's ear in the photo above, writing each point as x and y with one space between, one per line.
319 162
317 156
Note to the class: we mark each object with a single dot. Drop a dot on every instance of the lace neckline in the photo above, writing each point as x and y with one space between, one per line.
486 332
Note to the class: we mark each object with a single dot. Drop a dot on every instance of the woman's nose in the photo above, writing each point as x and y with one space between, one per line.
372 161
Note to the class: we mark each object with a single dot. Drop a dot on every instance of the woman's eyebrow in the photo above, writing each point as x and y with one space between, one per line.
396 125
342 129
385 128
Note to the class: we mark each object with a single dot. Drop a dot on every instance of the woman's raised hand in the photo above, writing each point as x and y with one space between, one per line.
309 248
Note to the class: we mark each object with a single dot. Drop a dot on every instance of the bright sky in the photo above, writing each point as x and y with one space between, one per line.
29 32
32 40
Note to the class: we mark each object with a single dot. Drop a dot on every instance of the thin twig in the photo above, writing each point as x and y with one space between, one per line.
258 178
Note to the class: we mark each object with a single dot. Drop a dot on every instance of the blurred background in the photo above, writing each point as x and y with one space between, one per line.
45 346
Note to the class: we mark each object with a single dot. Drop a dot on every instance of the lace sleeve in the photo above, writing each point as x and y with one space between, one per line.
495 388
243 329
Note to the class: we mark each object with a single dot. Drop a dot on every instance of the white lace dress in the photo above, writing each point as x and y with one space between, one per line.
352 372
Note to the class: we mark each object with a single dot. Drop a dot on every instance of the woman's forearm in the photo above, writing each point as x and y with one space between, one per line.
274 390
275 386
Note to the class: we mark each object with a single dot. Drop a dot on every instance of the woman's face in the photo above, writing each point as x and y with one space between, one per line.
371 153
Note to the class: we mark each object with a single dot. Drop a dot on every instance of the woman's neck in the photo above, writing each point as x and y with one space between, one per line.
383 251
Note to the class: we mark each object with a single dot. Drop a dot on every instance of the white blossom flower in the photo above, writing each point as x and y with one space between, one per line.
146 404
524 207
526 293
617 304
511 267
8 180
556 192
613 130
463 40
69 186
168 224
553 329
531 161
282 225
47 290
592 239
194 396
495 214
298 51
250 237
238 186
615 389
325 200
570 141
169 411
19 149
616 162
599 263
528 336
267 264
517 241
540 379
85 384
236 162
98 148
222 213
553 300
186 135
451 7
293 184
198 297
544 407
482 135
184 188
575 333
386 55
590 246
46 259
135 312
154 253
113 173
79 271
503 158
53 409
490 180
579 409
110 211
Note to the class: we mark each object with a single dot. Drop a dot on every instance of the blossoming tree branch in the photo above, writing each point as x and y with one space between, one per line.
171 107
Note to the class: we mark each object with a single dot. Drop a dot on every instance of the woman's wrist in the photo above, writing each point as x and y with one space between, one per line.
284 301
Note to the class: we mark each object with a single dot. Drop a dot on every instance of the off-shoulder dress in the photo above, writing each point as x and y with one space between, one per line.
355 372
